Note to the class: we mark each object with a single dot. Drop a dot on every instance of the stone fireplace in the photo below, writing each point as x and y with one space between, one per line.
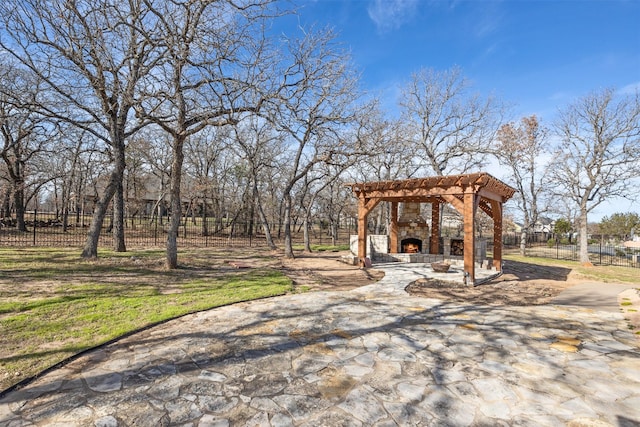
411 246
413 231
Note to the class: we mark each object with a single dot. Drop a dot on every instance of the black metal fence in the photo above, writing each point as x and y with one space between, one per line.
513 239
44 230
599 253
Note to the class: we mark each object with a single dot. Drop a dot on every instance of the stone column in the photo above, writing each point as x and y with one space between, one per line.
446 246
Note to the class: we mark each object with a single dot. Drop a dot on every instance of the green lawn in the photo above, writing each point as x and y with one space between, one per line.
603 273
54 305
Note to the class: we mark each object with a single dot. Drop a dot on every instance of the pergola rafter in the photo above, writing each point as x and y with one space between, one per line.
466 193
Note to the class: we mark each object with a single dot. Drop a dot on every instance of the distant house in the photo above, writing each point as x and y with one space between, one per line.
517 227
542 226
634 242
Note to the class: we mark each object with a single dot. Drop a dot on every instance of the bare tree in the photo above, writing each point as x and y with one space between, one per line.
450 127
390 156
66 169
335 204
326 176
153 147
203 158
521 148
24 134
258 143
599 153
91 55
210 75
318 103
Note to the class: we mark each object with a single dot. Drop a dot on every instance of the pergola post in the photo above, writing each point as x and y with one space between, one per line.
393 231
362 231
469 236
365 205
496 209
434 246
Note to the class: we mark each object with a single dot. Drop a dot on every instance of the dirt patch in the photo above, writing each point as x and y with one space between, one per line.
324 271
520 284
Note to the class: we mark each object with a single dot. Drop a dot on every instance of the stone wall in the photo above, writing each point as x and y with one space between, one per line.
377 245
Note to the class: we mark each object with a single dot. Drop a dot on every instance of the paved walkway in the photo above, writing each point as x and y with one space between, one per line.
598 296
374 356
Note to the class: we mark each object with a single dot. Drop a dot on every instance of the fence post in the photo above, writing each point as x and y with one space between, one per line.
557 249
600 252
35 217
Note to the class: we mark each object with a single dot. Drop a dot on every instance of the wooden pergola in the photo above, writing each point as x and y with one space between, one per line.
466 193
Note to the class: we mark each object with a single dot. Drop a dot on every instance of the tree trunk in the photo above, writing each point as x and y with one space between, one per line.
66 191
263 218
6 205
288 244
176 205
90 249
523 242
118 219
334 233
583 238
65 218
205 219
379 217
523 236
18 199
307 237
250 217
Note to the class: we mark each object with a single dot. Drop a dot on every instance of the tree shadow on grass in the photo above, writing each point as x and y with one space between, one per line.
517 270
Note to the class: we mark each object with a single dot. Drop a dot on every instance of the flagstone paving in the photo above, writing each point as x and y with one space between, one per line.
374 356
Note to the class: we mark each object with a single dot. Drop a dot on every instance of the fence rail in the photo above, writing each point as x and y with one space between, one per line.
599 254
145 233
45 230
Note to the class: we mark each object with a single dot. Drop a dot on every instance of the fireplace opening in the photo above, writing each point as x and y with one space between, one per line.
457 247
411 246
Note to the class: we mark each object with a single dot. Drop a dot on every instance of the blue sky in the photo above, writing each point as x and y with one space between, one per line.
538 56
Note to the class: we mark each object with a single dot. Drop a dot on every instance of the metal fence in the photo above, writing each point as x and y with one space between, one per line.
599 254
42 230
513 239
45 230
